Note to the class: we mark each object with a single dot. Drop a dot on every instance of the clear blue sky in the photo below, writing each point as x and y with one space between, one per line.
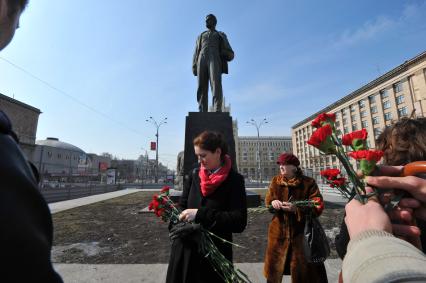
131 59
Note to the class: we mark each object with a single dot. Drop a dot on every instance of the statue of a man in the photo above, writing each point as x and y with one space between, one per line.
211 56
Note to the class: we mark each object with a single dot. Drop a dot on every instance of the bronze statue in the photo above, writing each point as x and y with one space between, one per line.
211 57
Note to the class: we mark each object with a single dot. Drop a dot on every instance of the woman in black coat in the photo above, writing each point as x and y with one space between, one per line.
214 197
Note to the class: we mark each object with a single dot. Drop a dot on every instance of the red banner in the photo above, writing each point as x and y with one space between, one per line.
153 145
103 166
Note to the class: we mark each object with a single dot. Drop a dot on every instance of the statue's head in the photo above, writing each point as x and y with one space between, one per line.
211 21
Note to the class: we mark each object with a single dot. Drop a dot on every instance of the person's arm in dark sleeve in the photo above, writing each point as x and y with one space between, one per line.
235 219
25 221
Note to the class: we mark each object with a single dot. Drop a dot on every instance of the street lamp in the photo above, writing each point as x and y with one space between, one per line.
157 126
258 124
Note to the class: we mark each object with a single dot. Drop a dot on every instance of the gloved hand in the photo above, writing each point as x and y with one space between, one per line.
183 229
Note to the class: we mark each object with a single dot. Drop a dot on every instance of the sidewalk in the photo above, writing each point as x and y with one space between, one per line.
68 204
156 273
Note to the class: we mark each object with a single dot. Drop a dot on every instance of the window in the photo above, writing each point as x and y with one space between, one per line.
384 93
400 99
364 124
59 156
354 127
353 117
337 123
372 98
345 130
374 109
388 116
403 111
398 87
376 120
352 108
363 113
377 132
386 104
361 103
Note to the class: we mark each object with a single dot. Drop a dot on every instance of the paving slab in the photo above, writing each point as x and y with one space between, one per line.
156 273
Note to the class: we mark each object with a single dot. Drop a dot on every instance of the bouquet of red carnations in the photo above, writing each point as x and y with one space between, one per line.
164 207
314 202
326 140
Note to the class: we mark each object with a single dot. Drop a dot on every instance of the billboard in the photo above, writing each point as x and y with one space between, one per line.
103 166
153 145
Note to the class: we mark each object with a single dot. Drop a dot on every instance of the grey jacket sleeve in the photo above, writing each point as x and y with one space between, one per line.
377 256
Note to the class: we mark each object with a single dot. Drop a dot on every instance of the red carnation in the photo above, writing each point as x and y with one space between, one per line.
367 158
370 155
330 174
321 139
324 119
318 204
339 182
165 189
356 139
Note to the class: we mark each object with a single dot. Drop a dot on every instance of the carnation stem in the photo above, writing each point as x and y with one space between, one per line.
358 185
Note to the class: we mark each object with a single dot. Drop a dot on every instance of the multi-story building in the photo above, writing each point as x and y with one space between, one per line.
270 149
24 119
398 93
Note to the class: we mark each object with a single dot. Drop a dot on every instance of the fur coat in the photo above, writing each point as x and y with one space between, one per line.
284 253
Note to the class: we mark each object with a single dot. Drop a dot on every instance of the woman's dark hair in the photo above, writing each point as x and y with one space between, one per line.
14 5
211 141
403 142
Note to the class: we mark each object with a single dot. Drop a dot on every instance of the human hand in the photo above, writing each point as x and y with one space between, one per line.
183 229
188 215
414 185
370 216
288 206
276 204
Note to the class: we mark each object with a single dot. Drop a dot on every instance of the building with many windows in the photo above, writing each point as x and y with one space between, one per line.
399 93
270 149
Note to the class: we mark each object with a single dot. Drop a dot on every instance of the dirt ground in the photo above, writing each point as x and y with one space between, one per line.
116 231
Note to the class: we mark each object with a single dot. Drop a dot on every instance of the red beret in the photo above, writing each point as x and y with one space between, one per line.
288 158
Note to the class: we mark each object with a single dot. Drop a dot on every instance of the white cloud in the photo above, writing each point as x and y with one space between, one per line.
367 31
411 15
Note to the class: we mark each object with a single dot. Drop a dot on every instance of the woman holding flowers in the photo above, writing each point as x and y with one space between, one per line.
214 198
284 254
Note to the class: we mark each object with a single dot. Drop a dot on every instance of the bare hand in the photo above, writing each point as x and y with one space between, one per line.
370 216
414 185
276 204
188 215
288 206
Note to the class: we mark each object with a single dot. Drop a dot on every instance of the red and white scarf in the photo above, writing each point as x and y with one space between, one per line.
210 181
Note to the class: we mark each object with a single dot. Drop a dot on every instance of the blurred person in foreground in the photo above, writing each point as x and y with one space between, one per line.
26 229
401 143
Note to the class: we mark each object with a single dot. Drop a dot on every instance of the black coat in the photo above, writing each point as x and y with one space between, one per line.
26 229
223 212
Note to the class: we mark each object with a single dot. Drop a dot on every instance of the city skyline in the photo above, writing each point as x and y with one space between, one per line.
106 68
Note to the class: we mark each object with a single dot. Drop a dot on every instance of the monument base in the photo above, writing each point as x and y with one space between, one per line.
253 199
198 122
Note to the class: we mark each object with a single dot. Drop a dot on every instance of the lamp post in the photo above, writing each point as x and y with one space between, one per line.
258 124
157 126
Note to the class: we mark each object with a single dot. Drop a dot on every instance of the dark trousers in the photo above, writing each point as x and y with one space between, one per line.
209 69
